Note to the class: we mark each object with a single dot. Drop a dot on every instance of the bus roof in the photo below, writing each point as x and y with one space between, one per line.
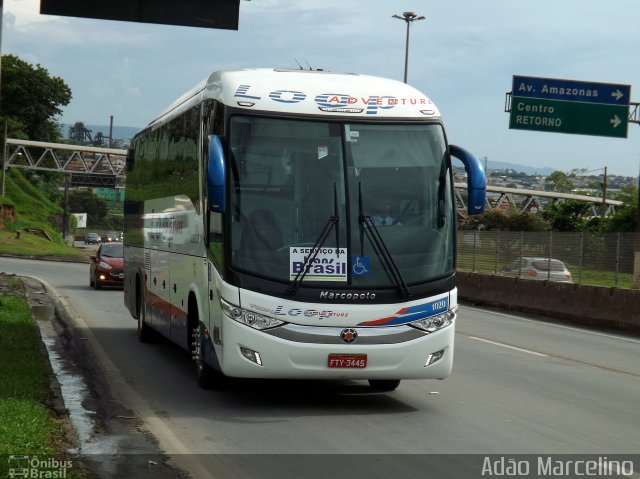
311 92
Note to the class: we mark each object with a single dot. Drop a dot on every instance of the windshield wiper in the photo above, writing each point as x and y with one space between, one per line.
368 226
332 222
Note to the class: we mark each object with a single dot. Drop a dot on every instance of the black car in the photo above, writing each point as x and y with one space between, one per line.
113 236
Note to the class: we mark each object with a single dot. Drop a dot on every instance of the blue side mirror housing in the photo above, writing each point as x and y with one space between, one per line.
216 175
476 179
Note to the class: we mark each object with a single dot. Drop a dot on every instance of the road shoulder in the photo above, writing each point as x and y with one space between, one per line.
103 435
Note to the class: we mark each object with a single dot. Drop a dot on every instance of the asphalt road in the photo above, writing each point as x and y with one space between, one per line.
519 386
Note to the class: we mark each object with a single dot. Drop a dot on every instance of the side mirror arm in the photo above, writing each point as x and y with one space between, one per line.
476 179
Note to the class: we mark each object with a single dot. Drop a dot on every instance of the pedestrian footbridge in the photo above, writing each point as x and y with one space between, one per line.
534 201
91 166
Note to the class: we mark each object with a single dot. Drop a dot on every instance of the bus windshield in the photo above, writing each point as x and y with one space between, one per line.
375 198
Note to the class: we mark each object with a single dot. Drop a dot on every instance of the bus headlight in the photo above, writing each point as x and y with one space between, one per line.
436 322
250 318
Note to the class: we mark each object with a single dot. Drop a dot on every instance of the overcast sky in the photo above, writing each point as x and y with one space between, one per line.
463 56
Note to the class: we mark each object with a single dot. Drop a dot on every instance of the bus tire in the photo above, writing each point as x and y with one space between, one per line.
145 334
205 375
384 385
208 378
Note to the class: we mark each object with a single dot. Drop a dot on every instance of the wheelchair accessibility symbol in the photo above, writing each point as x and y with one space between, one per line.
360 265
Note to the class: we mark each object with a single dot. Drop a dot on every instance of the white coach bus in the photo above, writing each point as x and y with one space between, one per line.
297 224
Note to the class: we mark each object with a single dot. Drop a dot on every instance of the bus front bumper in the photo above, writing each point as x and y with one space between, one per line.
282 358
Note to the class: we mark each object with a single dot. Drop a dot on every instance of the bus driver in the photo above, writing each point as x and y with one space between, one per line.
383 216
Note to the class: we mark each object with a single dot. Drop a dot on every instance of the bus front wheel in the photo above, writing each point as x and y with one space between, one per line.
144 331
208 378
384 385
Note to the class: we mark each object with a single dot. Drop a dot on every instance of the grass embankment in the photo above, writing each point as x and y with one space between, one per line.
34 211
31 245
28 427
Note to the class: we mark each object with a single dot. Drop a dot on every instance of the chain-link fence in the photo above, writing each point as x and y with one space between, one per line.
599 259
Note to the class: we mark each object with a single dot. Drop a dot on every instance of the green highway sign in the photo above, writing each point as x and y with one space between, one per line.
567 106
569 117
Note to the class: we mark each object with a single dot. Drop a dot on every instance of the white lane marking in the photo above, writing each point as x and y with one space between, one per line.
508 346
560 326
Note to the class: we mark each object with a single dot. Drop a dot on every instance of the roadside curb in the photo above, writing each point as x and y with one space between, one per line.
45 258
112 447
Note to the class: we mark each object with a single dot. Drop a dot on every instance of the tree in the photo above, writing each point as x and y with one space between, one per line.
84 201
628 194
558 181
48 182
505 220
30 99
569 215
624 219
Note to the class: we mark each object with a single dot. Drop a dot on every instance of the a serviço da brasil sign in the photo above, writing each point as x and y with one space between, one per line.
568 106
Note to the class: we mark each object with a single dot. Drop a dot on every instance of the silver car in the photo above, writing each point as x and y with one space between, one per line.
92 238
540 268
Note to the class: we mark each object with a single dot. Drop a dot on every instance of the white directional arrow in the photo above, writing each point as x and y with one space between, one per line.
615 121
618 94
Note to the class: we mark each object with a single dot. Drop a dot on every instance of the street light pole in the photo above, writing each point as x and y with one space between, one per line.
408 17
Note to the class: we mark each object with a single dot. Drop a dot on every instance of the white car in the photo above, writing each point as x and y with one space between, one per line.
540 268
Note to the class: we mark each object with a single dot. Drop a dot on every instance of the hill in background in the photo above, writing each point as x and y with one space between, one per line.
503 166
529 170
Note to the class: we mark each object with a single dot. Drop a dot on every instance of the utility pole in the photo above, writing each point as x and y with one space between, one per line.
408 17
110 130
4 157
65 214
604 194
4 153
636 262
